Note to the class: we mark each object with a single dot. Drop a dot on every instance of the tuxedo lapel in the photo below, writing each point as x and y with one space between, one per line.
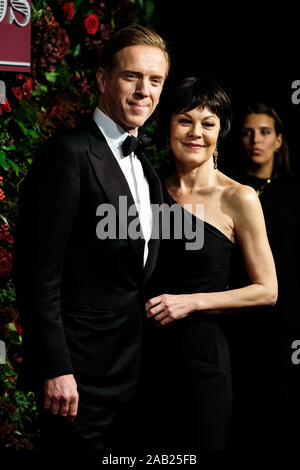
156 198
114 184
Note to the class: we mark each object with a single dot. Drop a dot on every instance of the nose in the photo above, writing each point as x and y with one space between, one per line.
255 136
142 87
196 130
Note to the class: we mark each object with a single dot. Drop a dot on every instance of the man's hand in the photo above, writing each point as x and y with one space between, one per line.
61 396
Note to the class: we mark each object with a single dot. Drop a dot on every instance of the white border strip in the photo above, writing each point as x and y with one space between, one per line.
4 62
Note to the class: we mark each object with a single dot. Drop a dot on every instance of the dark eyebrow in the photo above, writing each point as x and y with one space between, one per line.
186 113
260 128
214 116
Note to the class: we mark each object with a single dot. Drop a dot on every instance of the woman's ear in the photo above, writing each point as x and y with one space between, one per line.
278 143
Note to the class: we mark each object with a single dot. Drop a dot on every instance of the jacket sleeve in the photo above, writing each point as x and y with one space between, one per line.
48 204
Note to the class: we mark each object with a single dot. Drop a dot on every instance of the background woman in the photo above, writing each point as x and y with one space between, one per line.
267 383
189 291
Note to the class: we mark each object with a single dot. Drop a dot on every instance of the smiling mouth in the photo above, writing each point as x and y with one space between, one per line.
139 106
194 146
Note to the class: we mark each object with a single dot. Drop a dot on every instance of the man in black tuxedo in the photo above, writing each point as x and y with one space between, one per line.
80 292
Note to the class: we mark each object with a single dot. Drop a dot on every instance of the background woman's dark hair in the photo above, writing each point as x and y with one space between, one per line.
282 165
190 93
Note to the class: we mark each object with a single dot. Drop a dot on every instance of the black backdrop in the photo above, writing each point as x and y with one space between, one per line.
251 49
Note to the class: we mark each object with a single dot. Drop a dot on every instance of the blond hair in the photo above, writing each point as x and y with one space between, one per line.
132 35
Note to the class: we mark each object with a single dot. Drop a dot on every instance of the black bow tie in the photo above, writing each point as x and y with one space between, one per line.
134 144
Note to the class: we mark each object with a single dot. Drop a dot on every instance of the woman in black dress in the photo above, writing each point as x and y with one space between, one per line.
272 409
191 379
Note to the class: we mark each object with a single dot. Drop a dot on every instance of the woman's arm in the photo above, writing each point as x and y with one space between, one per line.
246 212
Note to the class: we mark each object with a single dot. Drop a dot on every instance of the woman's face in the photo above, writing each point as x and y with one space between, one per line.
259 138
194 135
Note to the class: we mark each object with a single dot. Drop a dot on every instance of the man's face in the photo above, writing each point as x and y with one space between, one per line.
130 91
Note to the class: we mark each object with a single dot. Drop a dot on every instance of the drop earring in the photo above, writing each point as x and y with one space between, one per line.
215 158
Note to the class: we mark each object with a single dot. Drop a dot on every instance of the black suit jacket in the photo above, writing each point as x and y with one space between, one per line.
80 298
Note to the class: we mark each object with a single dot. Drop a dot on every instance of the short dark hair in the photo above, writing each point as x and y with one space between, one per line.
282 166
132 35
192 92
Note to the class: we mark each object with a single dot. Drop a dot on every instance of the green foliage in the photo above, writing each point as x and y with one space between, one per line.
7 294
145 10
156 151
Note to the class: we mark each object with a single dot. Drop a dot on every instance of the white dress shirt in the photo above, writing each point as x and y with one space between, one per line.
133 172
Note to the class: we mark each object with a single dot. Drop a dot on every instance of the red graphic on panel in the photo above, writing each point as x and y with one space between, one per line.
15 30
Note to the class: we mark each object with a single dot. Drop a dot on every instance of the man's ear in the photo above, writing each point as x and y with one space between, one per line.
101 79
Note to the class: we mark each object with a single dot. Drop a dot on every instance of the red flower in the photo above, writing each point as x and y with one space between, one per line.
19 76
5 262
5 106
59 111
17 92
18 327
27 87
68 9
7 237
91 23
50 43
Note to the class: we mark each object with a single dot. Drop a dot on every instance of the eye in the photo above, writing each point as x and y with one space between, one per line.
265 132
209 124
130 76
156 81
184 121
246 133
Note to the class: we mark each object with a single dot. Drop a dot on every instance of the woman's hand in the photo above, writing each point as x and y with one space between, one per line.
166 307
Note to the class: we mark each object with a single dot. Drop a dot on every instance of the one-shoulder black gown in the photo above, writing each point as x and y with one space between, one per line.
190 381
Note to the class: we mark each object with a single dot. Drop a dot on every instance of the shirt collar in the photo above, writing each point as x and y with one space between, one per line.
113 133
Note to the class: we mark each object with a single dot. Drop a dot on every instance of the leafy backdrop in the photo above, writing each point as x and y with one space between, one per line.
67 37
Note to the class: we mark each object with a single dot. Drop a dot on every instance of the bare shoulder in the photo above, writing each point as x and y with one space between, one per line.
237 196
